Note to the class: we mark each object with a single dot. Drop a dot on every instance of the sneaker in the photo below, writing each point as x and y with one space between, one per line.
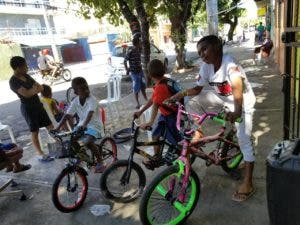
45 158
99 168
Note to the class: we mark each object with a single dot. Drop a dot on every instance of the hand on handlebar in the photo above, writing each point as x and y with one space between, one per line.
136 114
146 126
232 116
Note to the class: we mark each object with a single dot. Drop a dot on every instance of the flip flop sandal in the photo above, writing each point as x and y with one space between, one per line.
241 197
22 168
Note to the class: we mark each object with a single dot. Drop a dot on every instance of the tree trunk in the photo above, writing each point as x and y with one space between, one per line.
145 56
232 28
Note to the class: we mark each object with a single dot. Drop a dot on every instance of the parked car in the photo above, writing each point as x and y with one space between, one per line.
116 60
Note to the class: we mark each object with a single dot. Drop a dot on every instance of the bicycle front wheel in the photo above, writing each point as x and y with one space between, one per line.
70 189
122 184
108 148
160 202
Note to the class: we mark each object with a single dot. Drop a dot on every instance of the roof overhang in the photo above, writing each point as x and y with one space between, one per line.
42 41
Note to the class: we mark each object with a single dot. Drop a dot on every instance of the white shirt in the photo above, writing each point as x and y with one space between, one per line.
221 82
82 111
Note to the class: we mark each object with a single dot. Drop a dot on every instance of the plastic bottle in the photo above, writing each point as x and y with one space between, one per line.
100 210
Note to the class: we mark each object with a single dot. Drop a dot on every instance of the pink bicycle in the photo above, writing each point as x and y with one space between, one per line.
173 194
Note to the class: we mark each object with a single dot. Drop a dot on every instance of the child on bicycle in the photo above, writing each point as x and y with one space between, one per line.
167 117
86 107
231 85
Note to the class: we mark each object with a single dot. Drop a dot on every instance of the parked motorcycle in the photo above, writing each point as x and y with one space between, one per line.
61 73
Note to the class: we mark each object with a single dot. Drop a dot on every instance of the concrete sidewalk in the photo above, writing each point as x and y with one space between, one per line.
215 206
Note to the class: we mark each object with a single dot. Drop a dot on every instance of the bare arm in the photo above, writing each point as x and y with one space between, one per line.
189 92
62 122
145 107
152 118
126 67
237 91
27 93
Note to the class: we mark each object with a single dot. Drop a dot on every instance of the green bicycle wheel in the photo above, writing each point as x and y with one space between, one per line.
160 205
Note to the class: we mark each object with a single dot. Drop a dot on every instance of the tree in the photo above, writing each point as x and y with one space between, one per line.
229 13
115 11
179 13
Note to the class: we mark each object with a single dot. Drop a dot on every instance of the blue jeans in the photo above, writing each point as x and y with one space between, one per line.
138 81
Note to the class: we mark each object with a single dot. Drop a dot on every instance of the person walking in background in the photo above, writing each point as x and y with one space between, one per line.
133 56
32 109
221 72
260 30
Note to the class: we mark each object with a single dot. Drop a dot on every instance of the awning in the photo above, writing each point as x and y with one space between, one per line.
41 41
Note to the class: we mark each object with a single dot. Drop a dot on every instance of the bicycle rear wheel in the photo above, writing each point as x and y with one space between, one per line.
121 185
160 204
108 148
70 189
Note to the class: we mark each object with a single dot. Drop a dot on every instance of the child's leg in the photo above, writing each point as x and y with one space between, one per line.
197 135
157 150
96 151
244 130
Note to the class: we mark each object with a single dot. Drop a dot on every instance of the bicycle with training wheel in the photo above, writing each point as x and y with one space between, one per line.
124 180
71 185
173 194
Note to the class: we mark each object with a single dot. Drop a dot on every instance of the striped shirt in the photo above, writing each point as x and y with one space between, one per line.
134 58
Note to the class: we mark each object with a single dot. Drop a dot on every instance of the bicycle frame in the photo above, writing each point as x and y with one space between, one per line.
134 148
184 160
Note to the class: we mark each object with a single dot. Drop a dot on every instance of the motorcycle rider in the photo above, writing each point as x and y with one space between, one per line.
50 62
42 63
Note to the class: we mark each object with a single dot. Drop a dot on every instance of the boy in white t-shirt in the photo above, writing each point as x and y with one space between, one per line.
229 81
86 107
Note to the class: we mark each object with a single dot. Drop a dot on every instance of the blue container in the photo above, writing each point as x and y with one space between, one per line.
86 47
111 40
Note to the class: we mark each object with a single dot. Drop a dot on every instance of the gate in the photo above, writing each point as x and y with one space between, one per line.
291 85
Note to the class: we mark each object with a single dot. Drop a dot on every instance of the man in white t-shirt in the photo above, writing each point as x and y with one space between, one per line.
86 107
231 85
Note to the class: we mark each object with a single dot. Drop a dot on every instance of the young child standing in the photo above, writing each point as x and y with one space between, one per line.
86 107
167 115
231 85
31 108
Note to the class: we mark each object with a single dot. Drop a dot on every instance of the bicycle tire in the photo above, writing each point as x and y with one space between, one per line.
156 185
66 74
108 148
122 135
80 196
230 166
70 95
111 192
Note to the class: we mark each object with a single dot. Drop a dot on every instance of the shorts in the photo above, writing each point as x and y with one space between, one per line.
58 117
172 134
138 81
35 117
90 135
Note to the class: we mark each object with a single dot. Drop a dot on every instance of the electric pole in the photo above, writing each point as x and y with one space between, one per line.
212 16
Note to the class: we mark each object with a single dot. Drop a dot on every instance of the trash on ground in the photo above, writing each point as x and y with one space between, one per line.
100 210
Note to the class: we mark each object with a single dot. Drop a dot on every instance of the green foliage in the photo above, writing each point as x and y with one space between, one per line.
6 52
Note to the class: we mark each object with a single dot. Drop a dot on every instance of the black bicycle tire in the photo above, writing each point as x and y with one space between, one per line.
55 186
108 194
69 98
153 184
122 135
114 154
68 71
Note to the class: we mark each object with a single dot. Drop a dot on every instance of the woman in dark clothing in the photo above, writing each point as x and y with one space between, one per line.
31 108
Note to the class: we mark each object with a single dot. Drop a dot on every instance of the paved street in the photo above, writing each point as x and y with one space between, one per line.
215 206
